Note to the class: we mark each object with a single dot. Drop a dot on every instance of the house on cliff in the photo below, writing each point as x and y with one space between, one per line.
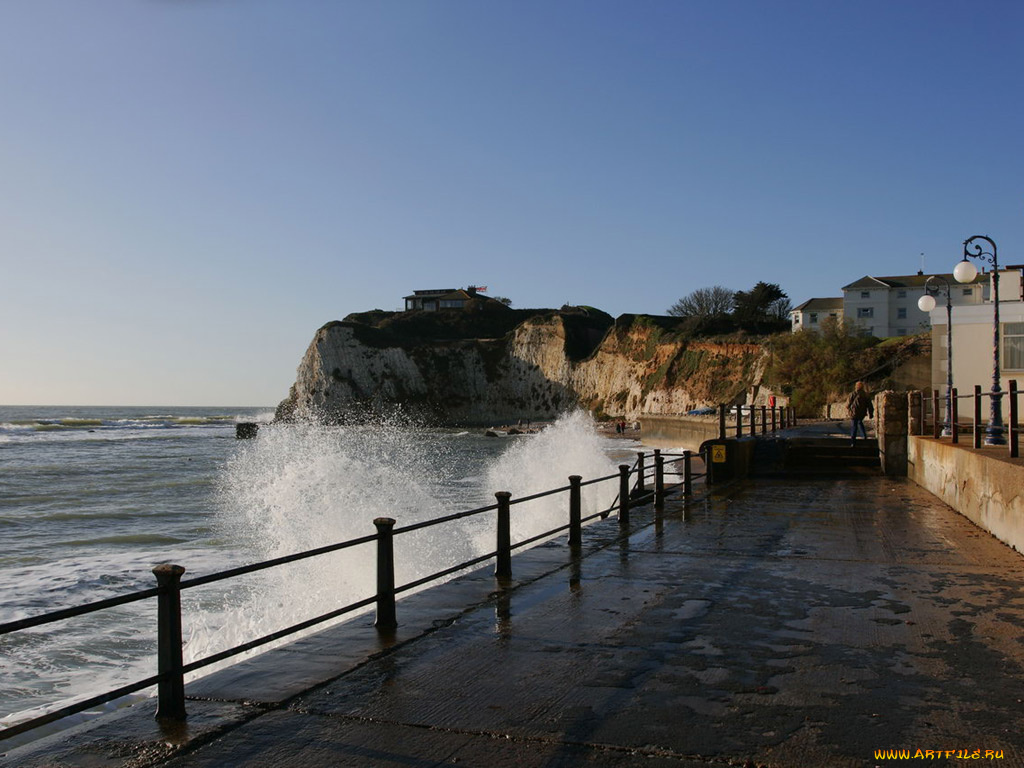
432 300
813 313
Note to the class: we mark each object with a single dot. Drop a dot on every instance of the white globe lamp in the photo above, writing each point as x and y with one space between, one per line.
926 303
965 272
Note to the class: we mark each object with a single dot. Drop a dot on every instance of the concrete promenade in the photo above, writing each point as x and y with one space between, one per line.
776 623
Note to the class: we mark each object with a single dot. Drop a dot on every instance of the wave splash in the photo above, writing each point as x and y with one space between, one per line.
298 487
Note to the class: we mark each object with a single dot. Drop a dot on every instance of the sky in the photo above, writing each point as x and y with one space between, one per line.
189 189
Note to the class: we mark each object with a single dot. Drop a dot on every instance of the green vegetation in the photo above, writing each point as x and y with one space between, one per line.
815 368
717 310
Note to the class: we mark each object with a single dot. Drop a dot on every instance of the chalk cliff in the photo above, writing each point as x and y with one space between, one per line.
548 363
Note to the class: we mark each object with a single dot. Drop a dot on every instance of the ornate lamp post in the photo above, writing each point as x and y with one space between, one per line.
926 304
965 272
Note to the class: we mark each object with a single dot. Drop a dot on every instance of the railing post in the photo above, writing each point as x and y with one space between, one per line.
977 415
659 480
764 419
937 423
640 471
503 567
924 406
575 512
385 574
774 414
687 473
954 409
623 495
1014 437
739 421
171 688
793 409
721 421
753 420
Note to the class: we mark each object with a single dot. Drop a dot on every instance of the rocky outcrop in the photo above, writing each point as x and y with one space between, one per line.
547 364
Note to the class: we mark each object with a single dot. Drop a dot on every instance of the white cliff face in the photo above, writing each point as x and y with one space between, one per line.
526 375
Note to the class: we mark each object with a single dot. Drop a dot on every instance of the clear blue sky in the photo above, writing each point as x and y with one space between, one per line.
190 188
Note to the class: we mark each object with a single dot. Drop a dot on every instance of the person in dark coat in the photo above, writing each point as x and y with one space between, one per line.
858 407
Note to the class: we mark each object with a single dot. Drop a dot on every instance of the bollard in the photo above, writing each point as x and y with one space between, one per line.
977 415
659 481
171 688
954 407
623 495
503 567
575 513
640 472
385 574
1014 437
721 421
764 420
687 474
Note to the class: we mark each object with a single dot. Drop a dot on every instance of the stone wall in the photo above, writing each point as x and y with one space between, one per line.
891 425
984 485
686 432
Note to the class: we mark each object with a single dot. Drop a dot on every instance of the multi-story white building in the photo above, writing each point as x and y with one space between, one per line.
887 306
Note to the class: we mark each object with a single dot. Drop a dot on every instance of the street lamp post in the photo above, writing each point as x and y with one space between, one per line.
926 304
965 272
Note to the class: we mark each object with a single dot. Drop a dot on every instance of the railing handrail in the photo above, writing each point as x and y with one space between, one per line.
166 589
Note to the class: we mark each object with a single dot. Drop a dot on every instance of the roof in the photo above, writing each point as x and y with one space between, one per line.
906 281
819 305
432 293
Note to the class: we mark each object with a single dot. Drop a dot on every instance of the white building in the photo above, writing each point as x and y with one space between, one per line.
811 315
887 306
973 336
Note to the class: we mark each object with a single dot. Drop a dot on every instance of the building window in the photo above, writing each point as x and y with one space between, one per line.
1013 346
901 294
814 318
901 331
865 311
968 291
865 294
901 313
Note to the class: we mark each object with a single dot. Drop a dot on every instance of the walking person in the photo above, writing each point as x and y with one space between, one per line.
858 407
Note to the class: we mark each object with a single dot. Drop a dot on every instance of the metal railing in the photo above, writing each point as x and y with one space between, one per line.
932 419
171 671
773 419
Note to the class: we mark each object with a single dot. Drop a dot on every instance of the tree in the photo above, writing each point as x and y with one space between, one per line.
503 300
704 302
765 307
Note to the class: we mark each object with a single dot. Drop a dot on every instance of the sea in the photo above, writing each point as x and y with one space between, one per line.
92 498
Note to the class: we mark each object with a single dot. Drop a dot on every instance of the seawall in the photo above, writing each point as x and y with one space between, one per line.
984 485
678 431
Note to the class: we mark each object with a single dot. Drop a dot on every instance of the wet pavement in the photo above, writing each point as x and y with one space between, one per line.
776 623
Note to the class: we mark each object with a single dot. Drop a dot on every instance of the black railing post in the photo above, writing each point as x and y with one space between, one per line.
503 567
575 512
954 409
721 421
659 480
977 415
640 471
753 420
1014 437
794 415
937 423
687 473
764 419
739 421
774 414
623 495
386 619
171 688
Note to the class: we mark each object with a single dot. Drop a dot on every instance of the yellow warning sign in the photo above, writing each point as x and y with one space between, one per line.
718 454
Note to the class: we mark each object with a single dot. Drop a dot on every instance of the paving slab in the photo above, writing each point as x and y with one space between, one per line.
777 623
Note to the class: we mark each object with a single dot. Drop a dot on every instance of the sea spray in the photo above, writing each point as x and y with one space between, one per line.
569 446
299 487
